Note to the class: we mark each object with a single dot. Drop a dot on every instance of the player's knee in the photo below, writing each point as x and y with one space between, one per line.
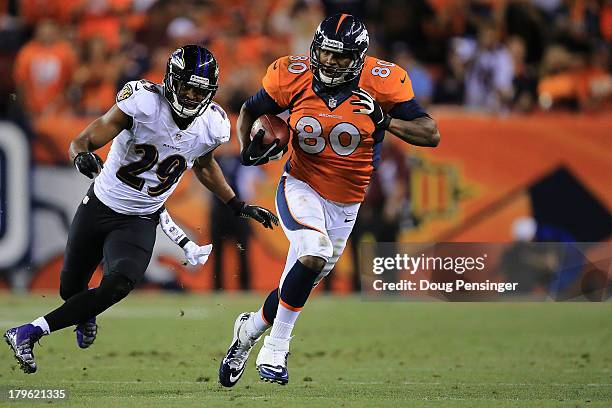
114 287
319 250
68 290
313 262
65 291
125 266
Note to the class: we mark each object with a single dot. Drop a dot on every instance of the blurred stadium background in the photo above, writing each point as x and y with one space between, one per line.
521 90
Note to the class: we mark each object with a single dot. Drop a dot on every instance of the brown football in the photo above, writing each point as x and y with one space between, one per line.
275 128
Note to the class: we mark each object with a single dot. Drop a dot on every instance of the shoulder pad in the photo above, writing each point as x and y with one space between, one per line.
388 83
286 77
219 126
140 100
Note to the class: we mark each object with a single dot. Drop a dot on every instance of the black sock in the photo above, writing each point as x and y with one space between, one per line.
270 306
89 303
297 285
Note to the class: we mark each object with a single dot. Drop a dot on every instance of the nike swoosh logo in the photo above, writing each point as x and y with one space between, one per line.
275 65
347 220
257 159
274 370
403 80
233 378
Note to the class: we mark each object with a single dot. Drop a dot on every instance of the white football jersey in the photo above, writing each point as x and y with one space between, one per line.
146 163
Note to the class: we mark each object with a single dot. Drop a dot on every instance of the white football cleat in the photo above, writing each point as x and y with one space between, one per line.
272 360
234 362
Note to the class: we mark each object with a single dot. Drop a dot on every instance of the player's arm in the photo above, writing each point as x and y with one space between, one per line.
97 134
413 125
194 253
254 152
406 120
243 124
393 107
209 173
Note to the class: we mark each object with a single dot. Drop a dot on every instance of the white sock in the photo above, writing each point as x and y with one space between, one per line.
259 322
284 322
256 325
42 323
286 315
281 330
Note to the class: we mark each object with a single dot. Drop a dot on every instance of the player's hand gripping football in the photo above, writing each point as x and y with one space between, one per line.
196 254
370 107
258 153
88 163
259 214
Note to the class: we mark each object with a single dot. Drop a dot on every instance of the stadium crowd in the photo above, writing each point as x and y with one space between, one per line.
71 56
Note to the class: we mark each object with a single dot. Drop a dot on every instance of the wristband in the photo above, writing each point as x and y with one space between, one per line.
386 122
235 205
173 231
183 242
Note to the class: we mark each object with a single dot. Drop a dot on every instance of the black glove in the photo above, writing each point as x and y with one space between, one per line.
371 108
88 163
257 153
259 214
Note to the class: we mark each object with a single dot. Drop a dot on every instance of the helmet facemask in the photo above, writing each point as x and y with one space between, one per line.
331 75
350 42
188 97
191 80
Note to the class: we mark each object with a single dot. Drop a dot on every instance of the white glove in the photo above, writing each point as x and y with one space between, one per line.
196 254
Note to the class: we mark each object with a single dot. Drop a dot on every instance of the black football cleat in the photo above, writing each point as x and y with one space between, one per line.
21 340
86 333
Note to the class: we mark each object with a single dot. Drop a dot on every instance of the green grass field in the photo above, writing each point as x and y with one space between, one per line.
164 350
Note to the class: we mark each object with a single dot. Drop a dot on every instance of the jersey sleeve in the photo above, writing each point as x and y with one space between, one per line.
262 103
388 83
276 82
408 110
140 100
219 124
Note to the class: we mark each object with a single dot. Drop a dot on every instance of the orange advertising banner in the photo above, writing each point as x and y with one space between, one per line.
486 173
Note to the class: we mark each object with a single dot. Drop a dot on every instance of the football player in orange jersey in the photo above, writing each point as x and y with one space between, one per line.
341 102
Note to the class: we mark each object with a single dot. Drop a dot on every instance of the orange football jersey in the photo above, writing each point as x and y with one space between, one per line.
334 149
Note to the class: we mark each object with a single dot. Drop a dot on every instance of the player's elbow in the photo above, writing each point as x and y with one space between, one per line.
434 136
431 133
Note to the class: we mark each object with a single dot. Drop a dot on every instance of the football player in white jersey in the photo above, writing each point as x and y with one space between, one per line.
157 132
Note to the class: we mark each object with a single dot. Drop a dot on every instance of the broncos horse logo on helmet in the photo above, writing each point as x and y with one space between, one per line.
345 35
191 80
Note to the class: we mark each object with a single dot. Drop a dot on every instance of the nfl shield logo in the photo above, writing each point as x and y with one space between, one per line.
332 102
178 137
